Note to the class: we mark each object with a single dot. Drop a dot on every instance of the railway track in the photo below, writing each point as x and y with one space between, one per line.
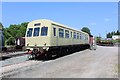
12 58
7 55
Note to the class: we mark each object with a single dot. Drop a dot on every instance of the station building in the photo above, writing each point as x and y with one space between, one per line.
114 37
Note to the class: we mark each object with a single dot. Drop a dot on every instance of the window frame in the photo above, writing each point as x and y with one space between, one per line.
30 34
74 35
61 34
43 33
38 31
66 33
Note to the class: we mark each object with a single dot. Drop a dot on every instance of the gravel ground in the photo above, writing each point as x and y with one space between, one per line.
100 63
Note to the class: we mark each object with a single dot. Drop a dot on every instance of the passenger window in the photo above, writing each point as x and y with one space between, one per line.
77 35
66 34
36 31
61 33
29 32
54 31
44 31
74 35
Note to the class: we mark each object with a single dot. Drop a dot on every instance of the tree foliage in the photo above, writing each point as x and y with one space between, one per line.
110 34
87 30
98 39
14 31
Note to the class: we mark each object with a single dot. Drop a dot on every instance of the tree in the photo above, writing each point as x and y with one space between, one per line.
98 39
14 31
87 30
110 34
117 33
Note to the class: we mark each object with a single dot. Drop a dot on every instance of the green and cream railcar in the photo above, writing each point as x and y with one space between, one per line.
49 35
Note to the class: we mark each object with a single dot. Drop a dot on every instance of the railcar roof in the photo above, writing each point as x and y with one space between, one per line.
59 25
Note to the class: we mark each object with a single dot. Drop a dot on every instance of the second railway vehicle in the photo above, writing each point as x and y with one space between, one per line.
47 38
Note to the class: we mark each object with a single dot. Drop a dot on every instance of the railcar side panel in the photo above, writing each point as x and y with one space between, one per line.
45 37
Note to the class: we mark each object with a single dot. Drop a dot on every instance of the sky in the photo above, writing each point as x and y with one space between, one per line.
99 17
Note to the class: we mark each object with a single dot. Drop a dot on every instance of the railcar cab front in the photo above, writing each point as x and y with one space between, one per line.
37 38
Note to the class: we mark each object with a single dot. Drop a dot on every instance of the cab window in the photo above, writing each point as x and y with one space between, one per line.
44 31
61 33
36 31
29 32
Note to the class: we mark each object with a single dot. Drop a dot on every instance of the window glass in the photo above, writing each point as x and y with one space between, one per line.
61 33
77 35
66 34
37 24
44 31
74 35
29 32
54 31
36 31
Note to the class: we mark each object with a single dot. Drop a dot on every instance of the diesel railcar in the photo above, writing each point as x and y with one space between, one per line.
46 38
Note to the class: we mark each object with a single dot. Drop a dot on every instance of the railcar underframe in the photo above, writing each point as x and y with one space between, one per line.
40 53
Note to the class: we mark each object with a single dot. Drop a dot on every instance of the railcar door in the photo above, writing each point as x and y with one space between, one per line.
55 38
